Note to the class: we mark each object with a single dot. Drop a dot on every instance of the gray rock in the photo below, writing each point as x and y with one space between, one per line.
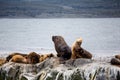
51 69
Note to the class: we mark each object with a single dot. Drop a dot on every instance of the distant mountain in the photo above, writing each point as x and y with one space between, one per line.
59 8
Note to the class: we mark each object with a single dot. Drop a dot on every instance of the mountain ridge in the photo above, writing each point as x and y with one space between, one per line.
59 8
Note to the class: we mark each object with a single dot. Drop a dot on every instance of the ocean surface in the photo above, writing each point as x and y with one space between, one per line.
101 36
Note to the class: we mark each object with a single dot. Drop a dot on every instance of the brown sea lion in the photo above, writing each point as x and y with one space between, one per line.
2 61
78 51
45 56
115 61
61 47
18 59
13 54
33 58
117 56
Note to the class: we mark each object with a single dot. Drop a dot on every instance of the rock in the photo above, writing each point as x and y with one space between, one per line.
50 69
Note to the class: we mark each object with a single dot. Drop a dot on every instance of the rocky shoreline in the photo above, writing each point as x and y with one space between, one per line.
52 69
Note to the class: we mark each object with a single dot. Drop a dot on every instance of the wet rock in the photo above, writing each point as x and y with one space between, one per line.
51 69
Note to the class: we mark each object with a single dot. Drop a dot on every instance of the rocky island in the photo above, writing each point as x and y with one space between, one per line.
52 69
81 66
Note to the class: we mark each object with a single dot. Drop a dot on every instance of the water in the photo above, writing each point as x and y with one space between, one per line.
101 36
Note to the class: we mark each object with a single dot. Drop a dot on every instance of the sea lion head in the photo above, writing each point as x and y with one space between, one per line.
58 39
8 58
79 41
117 56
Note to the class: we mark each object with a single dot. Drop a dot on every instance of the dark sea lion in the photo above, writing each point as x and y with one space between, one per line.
33 58
115 61
61 47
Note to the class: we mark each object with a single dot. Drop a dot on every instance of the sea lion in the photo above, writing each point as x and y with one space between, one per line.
18 59
2 61
33 58
13 54
78 51
115 61
117 56
61 47
45 56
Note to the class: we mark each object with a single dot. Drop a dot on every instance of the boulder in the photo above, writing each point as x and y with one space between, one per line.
53 69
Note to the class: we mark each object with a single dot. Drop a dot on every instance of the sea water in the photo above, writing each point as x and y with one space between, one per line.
101 36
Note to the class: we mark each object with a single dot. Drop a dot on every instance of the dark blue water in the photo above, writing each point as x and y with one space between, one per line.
101 36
